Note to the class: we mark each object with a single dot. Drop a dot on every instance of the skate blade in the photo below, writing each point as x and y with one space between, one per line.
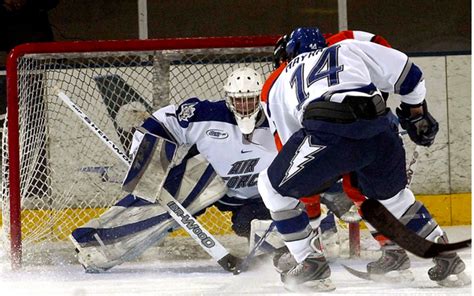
455 280
312 286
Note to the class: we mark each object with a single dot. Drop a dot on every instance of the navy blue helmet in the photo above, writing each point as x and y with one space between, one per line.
304 40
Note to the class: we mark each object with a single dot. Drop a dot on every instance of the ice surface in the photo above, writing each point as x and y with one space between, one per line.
205 277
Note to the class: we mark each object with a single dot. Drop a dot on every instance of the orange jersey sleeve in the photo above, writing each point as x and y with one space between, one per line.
264 97
357 35
270 81
343 35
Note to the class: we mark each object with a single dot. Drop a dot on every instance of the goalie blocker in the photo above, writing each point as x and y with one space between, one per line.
134 224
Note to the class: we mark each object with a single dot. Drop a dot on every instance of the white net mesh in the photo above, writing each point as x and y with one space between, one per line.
67 175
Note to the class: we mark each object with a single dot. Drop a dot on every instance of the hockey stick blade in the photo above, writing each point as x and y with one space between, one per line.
377 215
360 274
405 276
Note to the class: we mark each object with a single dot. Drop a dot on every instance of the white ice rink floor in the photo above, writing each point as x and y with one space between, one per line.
205 277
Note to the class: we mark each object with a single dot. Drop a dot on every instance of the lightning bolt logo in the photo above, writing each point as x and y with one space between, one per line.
303 155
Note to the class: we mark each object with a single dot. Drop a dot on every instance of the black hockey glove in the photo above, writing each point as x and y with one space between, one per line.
422 129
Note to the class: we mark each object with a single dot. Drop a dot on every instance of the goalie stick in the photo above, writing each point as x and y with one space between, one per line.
174 208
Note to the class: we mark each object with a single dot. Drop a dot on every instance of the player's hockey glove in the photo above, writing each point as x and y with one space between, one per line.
422 129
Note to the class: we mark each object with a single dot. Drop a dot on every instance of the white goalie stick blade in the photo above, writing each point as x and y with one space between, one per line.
175 209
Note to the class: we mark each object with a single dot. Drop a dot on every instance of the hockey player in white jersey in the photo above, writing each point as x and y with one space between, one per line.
230 138
331 118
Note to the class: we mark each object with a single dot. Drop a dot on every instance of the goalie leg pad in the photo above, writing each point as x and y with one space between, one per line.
127 229
154 158
102 244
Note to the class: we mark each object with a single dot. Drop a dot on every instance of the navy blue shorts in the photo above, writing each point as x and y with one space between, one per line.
310 160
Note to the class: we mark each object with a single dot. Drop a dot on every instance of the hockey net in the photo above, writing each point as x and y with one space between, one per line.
56 174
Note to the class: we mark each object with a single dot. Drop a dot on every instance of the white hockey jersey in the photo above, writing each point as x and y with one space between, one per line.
212 128
350 67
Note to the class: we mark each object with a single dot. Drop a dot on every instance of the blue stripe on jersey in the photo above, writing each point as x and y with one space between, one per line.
411 80
292 225
155 127
195 110
206 111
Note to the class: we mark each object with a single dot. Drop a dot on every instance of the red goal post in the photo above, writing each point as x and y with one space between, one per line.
56 175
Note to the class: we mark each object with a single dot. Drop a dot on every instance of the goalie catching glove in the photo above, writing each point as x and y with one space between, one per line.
422 128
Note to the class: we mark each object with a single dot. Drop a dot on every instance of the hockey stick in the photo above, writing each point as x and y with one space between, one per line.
379 217
243 265
412 165
174 208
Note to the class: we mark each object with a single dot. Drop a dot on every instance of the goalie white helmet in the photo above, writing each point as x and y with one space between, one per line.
242 91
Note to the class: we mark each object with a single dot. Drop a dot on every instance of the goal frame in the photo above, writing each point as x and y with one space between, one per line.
85 46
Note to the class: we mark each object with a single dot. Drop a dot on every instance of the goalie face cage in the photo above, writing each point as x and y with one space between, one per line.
56 174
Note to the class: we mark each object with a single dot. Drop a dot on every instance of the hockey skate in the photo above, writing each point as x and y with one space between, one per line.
310 275
449 271
392 267
283 260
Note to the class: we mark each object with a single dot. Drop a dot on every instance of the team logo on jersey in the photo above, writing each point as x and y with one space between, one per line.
304 154
187 111
217 134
